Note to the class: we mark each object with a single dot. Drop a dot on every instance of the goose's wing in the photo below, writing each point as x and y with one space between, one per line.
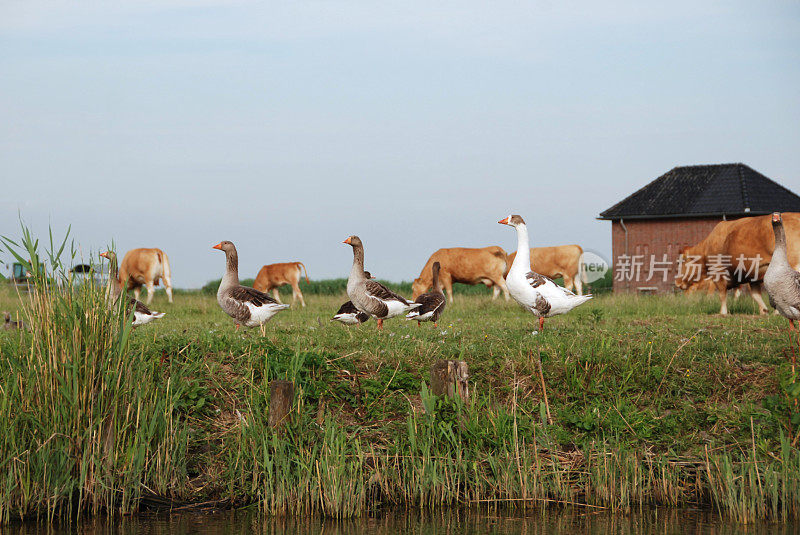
541 306
792 288
541 282
139 307
241 300
347 308
431 302
378 291
536 280
796 281
245 294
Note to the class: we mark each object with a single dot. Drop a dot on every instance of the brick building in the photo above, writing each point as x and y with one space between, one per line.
650 227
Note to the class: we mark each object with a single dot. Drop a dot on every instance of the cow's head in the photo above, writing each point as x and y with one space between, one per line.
702 286
419 287
691 269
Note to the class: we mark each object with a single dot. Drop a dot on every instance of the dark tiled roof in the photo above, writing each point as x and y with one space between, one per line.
706 190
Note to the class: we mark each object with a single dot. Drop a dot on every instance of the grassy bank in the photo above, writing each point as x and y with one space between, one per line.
653 400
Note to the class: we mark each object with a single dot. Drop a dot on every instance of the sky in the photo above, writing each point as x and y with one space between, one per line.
285 127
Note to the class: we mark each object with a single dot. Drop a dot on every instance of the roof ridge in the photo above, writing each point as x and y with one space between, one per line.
639 190
743 186
730 164
768 179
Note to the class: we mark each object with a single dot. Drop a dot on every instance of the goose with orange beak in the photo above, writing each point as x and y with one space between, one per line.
141 314
247 306
348 314
781 280
370 296
536 293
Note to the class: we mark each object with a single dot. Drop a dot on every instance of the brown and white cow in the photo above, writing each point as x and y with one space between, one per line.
557 261
144 267
734 253
271 276
486 265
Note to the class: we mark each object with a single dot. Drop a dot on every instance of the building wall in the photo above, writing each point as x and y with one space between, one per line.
648 242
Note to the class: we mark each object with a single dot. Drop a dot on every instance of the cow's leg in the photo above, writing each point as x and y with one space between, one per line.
722 289
168 288
276 295
755 292
151 290
297 294
578 284
568 284
447 283
501 283
495 291
136 292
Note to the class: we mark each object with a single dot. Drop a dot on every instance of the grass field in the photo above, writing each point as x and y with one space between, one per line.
653 400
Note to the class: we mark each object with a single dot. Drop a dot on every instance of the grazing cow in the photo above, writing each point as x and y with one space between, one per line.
734 253
271 276
144 267
558 261
486 265
707 287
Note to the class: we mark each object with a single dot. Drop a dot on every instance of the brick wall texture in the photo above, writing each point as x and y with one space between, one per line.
647 243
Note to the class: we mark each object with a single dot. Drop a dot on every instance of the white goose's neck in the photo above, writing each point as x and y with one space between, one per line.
523 258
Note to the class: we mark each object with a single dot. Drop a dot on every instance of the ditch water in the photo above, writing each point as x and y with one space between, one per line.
450 522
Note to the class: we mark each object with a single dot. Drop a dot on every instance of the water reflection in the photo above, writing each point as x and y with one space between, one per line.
451 522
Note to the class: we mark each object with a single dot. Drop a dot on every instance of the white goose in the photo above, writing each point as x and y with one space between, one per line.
536 293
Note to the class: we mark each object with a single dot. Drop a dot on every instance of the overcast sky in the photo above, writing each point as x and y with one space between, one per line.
287 126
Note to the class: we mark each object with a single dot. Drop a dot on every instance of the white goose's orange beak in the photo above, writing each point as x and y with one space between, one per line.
217 246
347 241
503 221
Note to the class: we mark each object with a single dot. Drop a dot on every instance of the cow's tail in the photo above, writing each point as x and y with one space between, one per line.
167 275
306 272
498 251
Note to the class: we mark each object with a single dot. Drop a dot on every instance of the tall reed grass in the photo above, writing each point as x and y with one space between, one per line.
87 424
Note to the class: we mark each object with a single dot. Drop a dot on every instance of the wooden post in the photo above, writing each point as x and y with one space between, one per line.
450 378
281 396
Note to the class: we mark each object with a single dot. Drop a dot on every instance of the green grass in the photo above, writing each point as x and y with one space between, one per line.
654 399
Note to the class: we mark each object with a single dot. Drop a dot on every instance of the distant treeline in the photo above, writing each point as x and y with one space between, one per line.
339 286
